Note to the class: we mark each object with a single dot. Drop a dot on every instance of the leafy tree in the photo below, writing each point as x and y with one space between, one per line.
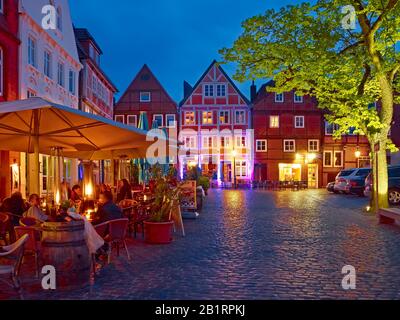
343 52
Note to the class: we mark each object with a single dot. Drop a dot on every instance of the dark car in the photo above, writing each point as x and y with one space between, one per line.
394 185
351 181
356 183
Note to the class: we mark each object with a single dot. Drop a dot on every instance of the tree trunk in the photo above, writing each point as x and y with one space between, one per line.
380 178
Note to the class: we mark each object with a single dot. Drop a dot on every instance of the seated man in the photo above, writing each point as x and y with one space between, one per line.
34 211
108 210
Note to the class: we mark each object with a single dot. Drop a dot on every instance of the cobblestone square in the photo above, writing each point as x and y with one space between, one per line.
255 244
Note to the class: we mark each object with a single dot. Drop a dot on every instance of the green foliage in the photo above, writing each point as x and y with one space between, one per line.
166 195
204 182
305 48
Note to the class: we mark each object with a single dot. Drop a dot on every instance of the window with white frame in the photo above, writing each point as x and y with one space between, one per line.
190 142
313 145
158 118
32 51
338 159
145 97
328 158
72 81
261 145
207 117
241 142
298 99
241 168
224 117
240 117
209 142
274 121
47 64
299 121
120 118
225 142
289 146
170 120
190 118
60 74
221 90
330 128
279 97
132 120
1 71
209 90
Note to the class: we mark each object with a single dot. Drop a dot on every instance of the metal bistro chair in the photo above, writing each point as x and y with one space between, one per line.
14 253
4 227
116 236
32 247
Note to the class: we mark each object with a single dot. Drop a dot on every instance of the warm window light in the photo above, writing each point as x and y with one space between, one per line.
357 153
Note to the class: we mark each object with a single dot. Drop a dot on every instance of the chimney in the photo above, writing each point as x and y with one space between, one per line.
253 91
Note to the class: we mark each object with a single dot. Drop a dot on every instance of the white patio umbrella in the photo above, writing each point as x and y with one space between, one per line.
37 126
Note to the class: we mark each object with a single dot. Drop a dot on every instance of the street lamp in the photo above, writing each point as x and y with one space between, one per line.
234 155
357 154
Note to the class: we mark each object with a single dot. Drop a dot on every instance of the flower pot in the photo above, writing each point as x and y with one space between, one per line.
158 232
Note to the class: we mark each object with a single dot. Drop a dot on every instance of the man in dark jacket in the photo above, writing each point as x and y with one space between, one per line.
108 210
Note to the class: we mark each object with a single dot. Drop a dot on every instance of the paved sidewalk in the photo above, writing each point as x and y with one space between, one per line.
256 245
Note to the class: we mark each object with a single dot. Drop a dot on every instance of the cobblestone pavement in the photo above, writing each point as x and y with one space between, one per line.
256 245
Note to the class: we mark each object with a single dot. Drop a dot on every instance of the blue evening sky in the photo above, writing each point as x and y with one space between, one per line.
178 39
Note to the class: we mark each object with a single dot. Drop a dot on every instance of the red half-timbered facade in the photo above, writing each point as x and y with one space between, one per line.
146 95
96 91
288 134
215 118
9 86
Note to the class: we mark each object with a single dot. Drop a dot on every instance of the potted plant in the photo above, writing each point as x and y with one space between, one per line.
204 182
158 229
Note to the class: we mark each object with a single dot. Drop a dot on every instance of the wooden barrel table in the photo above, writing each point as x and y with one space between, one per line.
65 248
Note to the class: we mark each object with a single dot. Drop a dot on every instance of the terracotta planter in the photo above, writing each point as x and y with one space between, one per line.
158 232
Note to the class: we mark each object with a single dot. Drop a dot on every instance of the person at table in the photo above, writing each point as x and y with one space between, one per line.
34 211
108 210
76 194
124 190
14 205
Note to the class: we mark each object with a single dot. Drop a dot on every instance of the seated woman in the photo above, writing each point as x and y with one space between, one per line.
124 191
34 211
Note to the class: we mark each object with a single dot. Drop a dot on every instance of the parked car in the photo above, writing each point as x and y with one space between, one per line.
351 181
394 185
330 187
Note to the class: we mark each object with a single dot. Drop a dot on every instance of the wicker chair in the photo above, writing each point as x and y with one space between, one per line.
32 247
116 236
4 227
13 253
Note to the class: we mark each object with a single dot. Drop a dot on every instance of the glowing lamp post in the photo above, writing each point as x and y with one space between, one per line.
357 154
